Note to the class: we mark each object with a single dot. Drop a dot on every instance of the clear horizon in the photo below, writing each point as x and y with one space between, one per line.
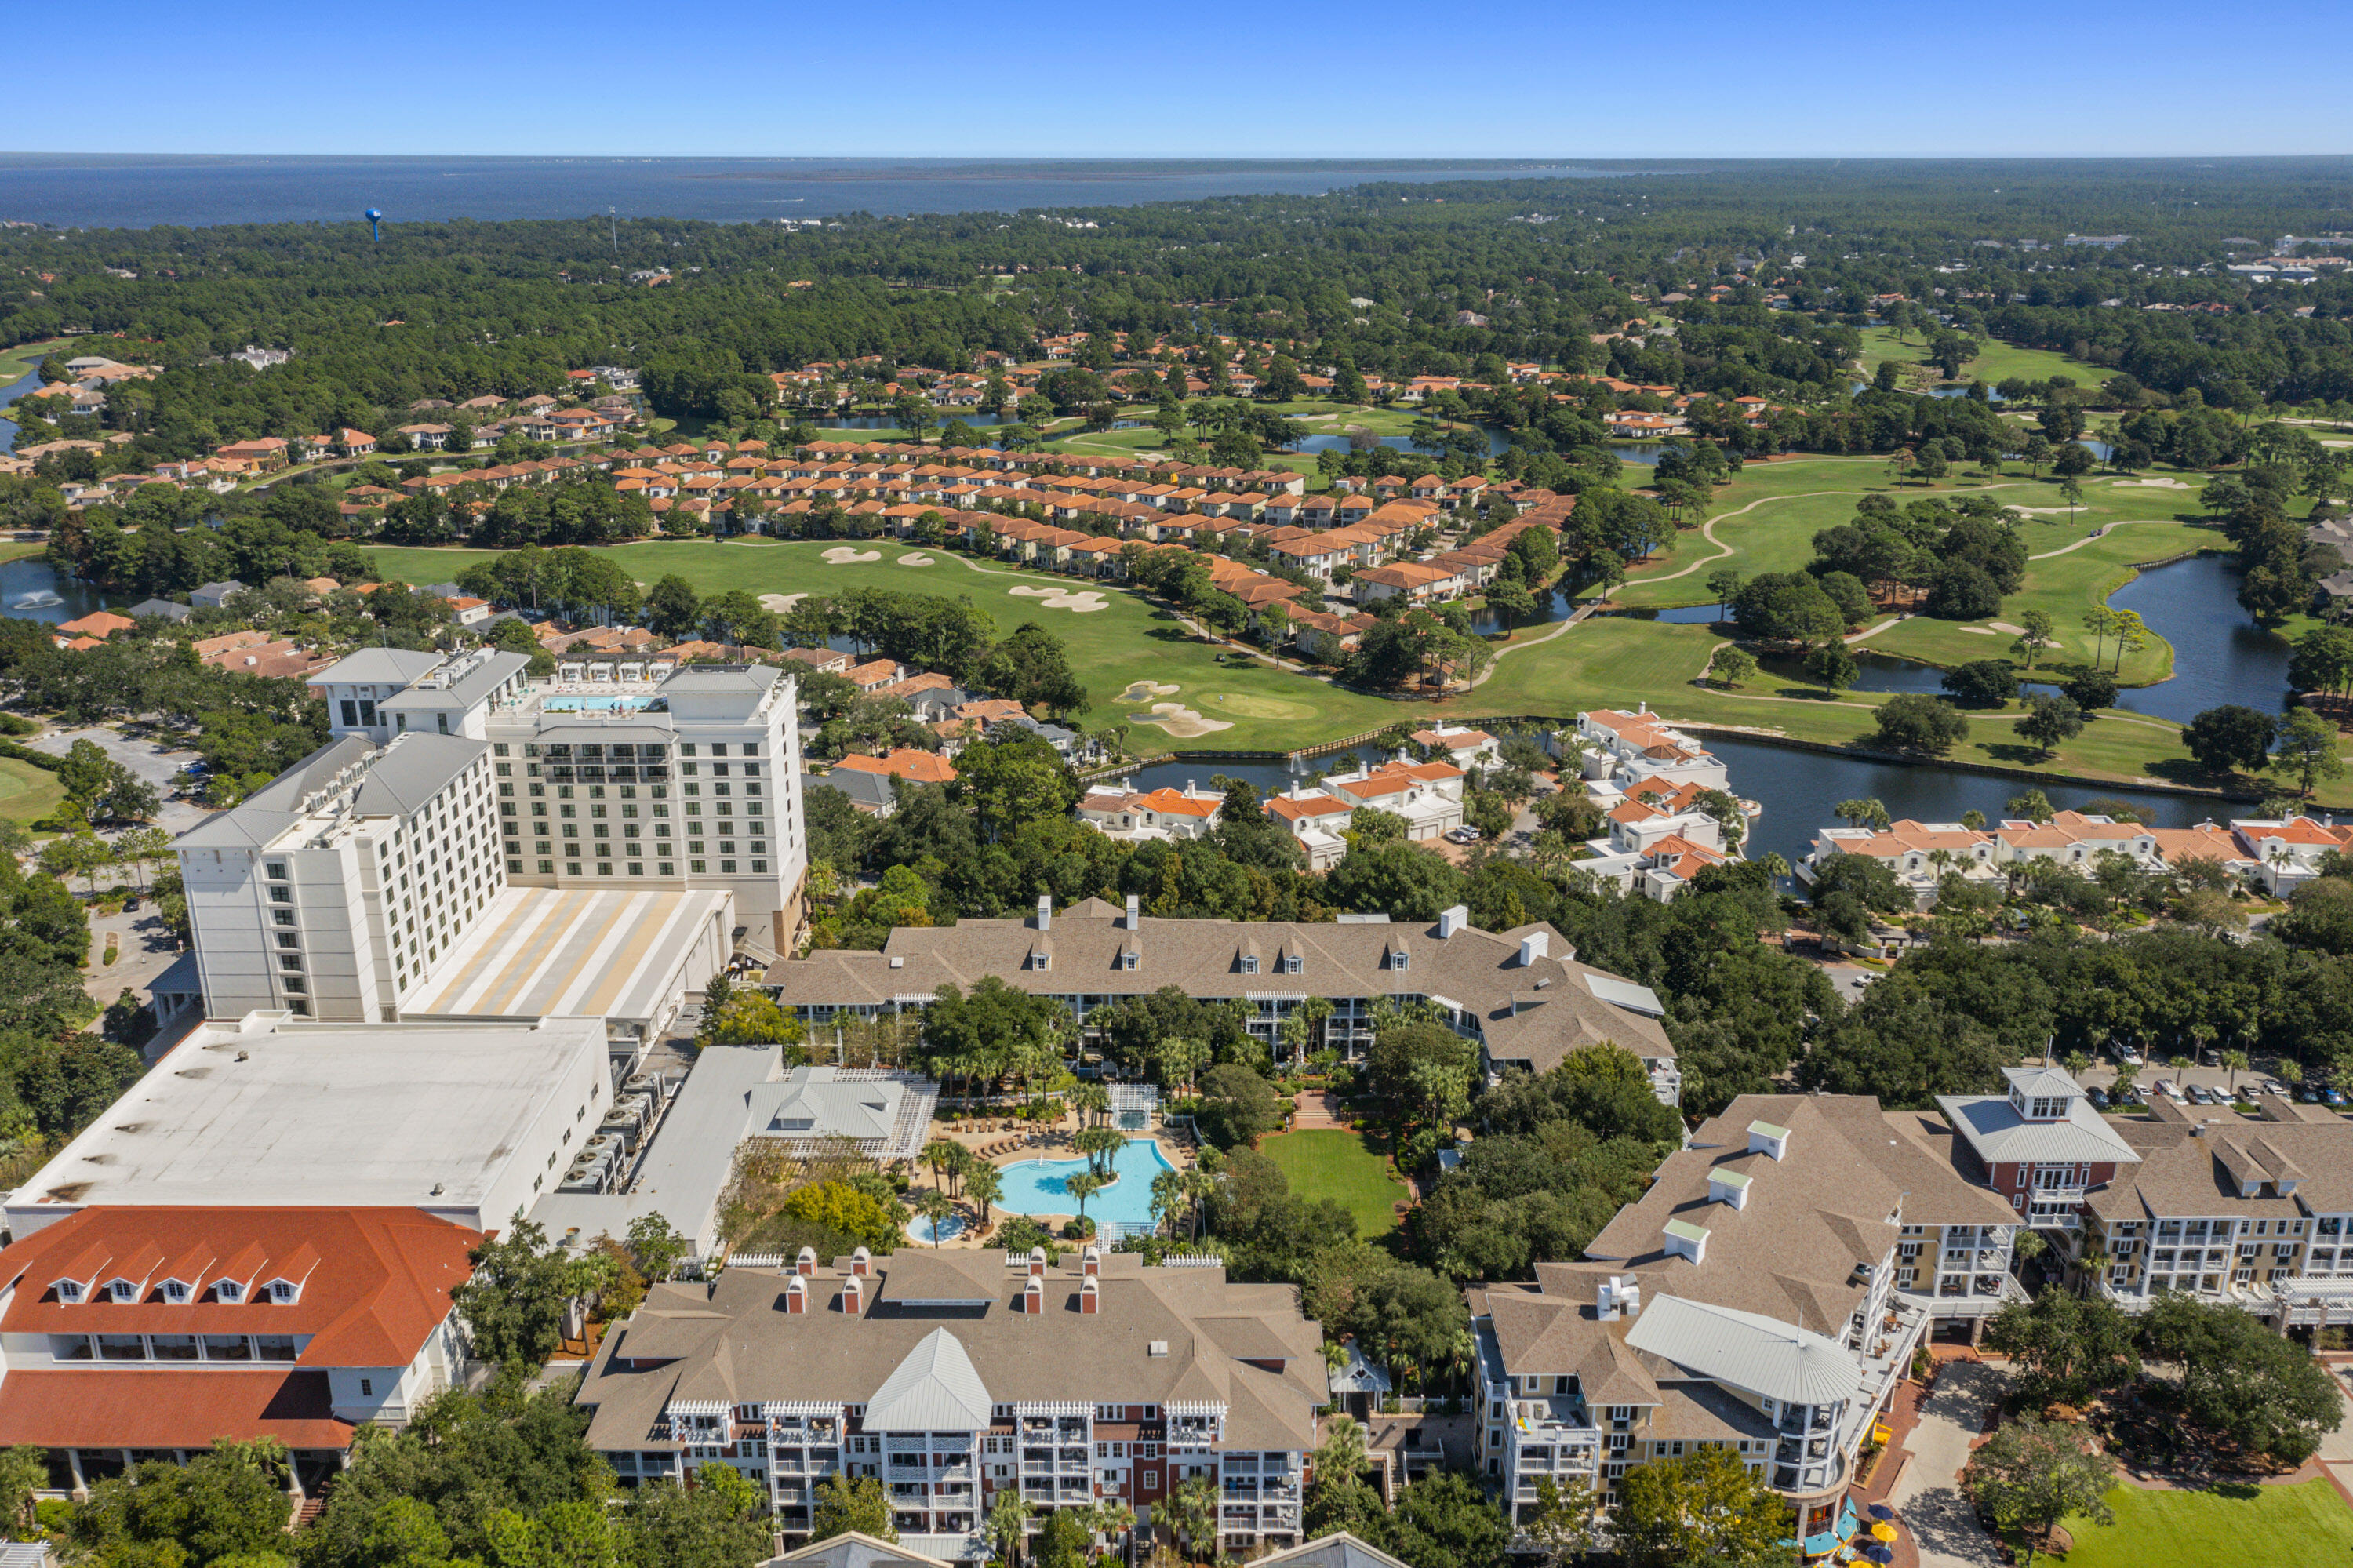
1382 82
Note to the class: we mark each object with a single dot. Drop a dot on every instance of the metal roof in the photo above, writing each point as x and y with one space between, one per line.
488 674
1747 1350
935 1389
1634 998
2003 1137
378 667
277 805
2045 1081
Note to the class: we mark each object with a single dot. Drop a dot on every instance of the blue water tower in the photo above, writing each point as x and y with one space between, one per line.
375 223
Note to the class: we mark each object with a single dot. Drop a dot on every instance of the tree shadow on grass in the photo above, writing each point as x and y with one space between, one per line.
2185 770
2240 1491
2014 753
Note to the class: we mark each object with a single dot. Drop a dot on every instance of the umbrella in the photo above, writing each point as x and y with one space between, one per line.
1882 1531
1879 1551
1880 1510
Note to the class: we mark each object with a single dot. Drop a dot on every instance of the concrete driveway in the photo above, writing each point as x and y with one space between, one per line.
146 950
1928 1495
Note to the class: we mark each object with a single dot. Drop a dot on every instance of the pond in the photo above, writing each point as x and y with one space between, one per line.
1499 441
9 394
889 422
2219 656
33 576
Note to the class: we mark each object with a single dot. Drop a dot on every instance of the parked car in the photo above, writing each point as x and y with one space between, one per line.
2310 1095
131 904
1462 835
2166 1087
2099 1098
2133 1094
2333 1097
2126 1055
2201 1095
2273 1087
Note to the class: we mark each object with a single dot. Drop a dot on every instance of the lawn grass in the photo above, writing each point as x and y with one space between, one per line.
1995 361
1129 642
1337 1164
28 793
2301 1526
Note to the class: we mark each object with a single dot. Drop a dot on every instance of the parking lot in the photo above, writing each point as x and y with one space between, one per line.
2217 1081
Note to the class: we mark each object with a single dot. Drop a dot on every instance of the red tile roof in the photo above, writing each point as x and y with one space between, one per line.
386 1291
145 1407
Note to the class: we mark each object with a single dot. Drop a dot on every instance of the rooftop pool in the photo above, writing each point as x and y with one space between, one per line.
575 704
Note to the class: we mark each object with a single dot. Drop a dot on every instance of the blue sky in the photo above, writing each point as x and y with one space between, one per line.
1214 77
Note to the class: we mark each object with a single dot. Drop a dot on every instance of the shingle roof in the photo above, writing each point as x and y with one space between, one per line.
734 1340
1537 1013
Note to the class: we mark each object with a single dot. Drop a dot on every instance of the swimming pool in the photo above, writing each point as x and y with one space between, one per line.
920 1227
593 704
1043 1186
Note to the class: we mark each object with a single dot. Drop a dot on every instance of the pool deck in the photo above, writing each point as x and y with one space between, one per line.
1005 1142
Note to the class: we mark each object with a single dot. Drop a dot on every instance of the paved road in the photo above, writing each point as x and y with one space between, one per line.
1927 1496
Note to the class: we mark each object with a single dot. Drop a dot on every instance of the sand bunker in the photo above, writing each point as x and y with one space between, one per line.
1982 630
2006 626
781 603
1178 720
1144 692
917 559
2151 484
2046 511
1083 602
843 556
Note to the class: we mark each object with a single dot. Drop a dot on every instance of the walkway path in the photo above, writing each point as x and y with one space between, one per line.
2100 533
1928 1495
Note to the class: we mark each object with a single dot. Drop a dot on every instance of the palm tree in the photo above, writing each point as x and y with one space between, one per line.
984 1184
935 1206
1083 1186
1168 1197
1100 1145
937 1154
1091 1100
2077 1064
1341 1455
2236 1061
1009 1519
1193 1512
958 1165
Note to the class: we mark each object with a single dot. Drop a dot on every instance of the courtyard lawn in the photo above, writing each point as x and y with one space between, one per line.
1341 1165
1116 648
2301 1526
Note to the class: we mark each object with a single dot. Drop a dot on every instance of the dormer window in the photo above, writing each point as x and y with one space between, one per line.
1250 965
229 1290
175 1291
69 1289
284 1291
1130 960
1291 964
1040 961
1400 960
123 1289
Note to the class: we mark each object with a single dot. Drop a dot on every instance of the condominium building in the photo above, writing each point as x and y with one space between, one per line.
129 1334
1520 994
2257 1211
950 1376
1922 854
1750 1300
1621 749
1427 795
619 774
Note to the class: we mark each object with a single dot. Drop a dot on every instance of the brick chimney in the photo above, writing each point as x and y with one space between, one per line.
853 1296
862 1262
1037 1262
1090 1260
806 1264
1090 1293
1033 1296
796 1295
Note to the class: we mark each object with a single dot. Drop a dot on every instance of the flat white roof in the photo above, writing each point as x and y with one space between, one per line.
613 952
275 1111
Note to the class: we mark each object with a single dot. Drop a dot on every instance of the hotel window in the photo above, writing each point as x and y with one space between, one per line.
726 868
637 868
546 867
694 866
570 868
604 868
666 868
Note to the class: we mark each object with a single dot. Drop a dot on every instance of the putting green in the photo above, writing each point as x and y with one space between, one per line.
1250 705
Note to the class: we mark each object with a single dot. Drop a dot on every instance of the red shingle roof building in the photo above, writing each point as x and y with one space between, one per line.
153 1331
